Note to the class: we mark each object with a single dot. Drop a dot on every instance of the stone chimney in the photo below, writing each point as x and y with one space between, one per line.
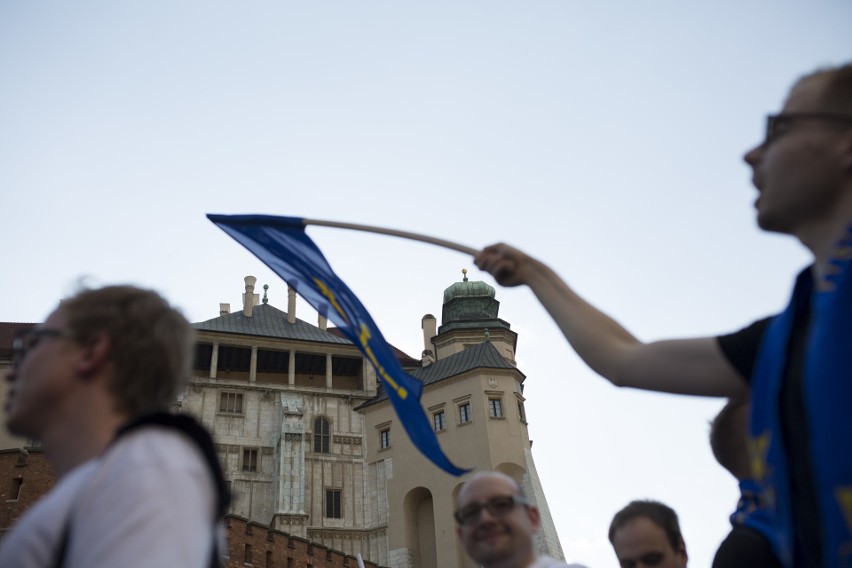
291 305
323 322
429 326
248 297
224 309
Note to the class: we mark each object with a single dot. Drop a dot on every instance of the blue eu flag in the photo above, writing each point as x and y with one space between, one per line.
282 244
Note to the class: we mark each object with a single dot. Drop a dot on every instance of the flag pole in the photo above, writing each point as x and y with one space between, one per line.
394 233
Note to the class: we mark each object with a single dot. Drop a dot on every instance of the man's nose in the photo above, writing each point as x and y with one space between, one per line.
752 157
485 517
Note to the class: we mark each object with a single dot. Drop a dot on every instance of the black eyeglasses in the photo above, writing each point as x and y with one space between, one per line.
26 339
496 507
776 123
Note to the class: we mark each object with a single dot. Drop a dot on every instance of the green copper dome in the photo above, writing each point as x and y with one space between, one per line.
470 305
468 289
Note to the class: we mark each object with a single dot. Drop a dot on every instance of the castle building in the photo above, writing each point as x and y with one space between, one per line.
311 445
473 393
313 451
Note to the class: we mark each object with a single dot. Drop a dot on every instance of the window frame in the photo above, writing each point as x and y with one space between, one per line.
253 453
436 420
465 414
322 439
333 503
224 400
495 407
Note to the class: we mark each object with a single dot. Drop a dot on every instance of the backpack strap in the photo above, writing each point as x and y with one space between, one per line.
198 434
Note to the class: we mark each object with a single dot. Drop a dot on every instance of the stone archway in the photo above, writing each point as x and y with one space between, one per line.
420 528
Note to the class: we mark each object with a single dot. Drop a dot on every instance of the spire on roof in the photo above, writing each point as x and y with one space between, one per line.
265 299
464 274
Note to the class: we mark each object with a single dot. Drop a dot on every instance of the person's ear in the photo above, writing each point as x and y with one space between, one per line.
93 354
535 516
682 551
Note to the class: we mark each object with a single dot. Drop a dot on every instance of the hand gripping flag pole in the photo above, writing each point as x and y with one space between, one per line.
282 244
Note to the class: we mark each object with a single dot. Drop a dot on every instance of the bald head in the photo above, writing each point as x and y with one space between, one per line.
489 479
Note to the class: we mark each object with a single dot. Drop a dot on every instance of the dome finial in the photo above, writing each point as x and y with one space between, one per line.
265 288
464 274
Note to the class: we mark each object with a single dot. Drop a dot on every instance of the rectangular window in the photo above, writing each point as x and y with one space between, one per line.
247 557
322 437
250 459
268 559
332 504
231 402
384 438
15 489
521 414
495 407
438 420
464 413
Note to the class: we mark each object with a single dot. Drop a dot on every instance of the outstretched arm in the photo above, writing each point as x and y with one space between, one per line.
683 366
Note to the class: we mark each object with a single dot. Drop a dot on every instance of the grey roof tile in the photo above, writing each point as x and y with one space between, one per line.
482 356
268 321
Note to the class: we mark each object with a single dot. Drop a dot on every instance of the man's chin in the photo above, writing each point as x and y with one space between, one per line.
491 547
770 225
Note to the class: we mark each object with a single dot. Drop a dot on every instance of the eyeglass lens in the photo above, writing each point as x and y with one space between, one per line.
28 339
496 507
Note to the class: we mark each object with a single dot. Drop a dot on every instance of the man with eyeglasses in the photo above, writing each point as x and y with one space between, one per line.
646 534
137 486
496 523
797 364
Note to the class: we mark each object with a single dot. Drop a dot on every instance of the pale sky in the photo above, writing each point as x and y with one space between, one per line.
603 137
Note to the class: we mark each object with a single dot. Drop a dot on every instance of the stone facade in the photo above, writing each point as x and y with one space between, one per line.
473 394
280 396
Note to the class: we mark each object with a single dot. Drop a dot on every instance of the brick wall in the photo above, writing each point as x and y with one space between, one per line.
25 475
256 545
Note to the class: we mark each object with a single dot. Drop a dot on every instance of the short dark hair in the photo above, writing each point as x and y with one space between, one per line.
151 343
728 438
837 90
661 515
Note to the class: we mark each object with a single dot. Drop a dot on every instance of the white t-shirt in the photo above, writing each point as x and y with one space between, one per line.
147 502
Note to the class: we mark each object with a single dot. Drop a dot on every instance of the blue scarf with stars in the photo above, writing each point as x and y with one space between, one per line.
827 388
751 511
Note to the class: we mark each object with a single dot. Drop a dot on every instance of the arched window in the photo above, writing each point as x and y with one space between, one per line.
321 436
